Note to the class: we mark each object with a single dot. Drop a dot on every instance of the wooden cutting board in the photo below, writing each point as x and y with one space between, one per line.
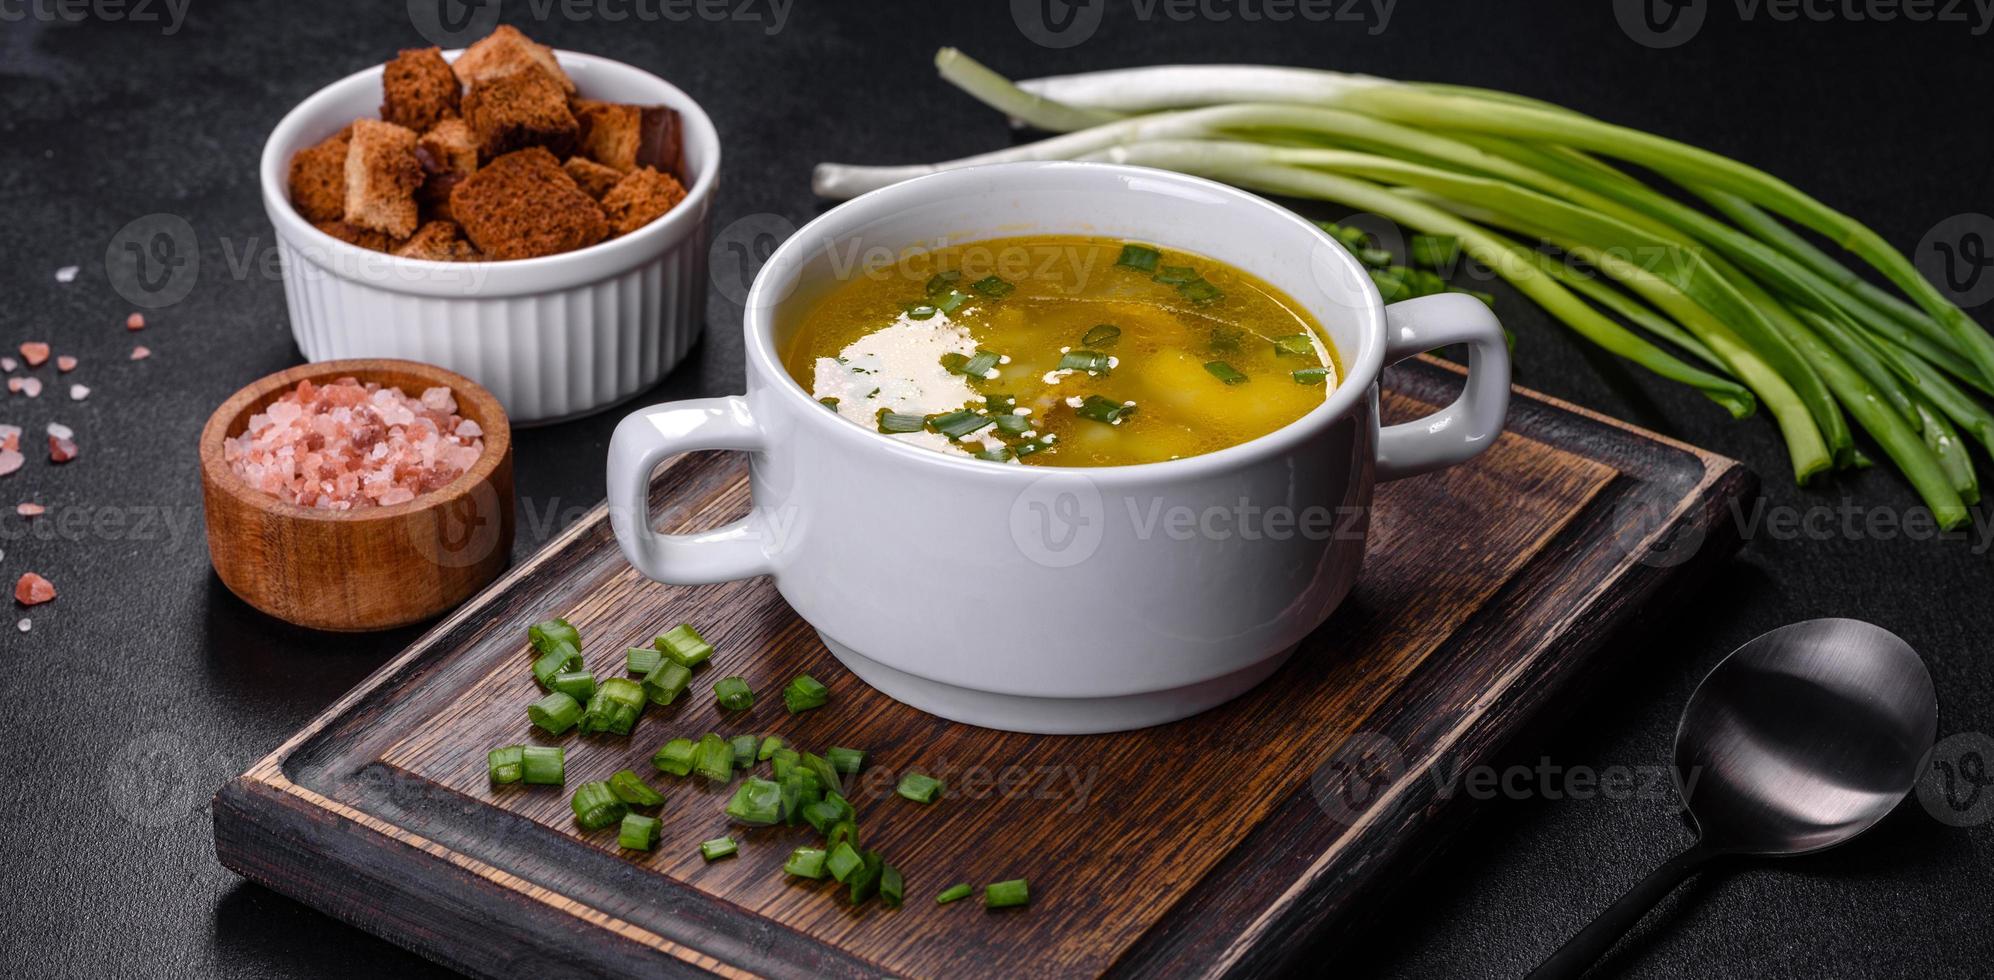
1206 847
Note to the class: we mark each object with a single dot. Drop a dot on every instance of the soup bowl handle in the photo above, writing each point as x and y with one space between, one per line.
1463 429
645 439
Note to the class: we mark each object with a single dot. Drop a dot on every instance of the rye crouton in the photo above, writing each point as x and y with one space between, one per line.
523 205
382 173
609 133
448 153
438 241
318 179
627 136
593 177
519 110
506 51
356 235
640 198
661 142
418 89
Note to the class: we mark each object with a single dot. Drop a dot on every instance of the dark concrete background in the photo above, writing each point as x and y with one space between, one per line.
146 685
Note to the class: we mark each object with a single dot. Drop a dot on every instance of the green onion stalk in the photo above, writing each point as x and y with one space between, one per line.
1768 317
1109 96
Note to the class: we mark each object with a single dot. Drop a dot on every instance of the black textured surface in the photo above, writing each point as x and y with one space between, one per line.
146 665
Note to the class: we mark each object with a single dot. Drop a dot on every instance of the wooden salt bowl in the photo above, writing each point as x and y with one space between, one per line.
369 569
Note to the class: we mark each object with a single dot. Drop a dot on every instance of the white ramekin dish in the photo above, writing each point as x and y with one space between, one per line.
1056 599
552 337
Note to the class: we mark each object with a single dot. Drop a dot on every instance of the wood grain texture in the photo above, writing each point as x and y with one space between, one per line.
1203 847
368 569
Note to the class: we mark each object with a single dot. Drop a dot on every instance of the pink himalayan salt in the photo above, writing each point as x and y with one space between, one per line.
8 364
33 590
34 352
10 461
61 450
30 387
10 437
141 352
30 510
78 392
345 445
65 363
135 322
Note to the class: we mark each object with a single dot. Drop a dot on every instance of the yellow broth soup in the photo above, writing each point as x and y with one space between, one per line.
1063 351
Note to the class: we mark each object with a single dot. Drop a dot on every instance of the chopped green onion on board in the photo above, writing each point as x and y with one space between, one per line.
543 765
634 791
555 713
919 787
638 832
506 764
804 693
1006 894
596 806
733 694
684 645
615 707
675 757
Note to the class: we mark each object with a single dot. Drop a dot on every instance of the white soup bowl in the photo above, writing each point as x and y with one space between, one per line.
1053 599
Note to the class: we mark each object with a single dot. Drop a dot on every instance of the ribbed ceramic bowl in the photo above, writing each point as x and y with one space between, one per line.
552 337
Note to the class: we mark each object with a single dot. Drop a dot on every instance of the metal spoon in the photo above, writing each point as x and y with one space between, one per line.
1798 741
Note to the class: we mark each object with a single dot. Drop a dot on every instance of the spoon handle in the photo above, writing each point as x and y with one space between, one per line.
1579 953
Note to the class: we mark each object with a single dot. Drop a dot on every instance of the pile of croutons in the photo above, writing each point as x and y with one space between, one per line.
494 157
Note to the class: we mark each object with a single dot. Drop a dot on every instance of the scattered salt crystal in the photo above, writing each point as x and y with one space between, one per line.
10 461
10 437
14 385
66 274
30 510
31 387
346 445
65 363
25 624
135 322
8 364
61 450
78 392
33 590
141 352
60 431
34 352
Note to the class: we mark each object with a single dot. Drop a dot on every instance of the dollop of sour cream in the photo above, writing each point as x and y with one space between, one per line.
899 368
